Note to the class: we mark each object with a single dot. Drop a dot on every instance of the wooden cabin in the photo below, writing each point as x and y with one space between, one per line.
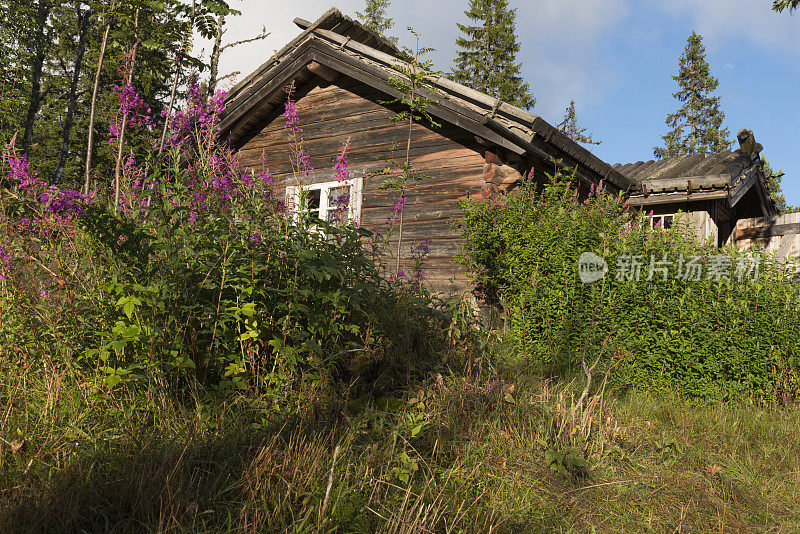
713 193
342 75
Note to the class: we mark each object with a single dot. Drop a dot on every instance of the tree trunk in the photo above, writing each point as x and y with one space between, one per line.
35 100
90 142
215 53
171 102
42 41
84 20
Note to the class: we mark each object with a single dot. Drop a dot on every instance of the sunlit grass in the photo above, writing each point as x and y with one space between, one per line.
147 461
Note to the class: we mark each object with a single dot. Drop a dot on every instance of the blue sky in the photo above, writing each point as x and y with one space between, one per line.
614 57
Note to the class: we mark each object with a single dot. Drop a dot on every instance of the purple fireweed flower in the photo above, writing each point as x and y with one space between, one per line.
421 249
292 118
132 109
397 207
342 166
301 160
20 170
129 167
200 115
342 169
64 204
304 162
290 107
56 204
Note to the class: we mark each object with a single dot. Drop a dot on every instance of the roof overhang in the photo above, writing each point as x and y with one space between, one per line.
655 192
495 122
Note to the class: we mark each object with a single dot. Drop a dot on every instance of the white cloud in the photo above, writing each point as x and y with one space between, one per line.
562 49
749 20
277 17
559 39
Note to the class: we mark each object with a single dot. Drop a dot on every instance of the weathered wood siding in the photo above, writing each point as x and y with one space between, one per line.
351 112
779 235
696 215
703 224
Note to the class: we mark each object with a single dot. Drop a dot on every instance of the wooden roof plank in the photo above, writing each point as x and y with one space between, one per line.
280 75
670 198
682 183
743 186
363 73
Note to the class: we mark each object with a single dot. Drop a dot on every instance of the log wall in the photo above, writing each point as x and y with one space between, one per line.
779 235
349 112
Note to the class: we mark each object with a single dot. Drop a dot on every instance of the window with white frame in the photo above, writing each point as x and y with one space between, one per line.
328 201
663 222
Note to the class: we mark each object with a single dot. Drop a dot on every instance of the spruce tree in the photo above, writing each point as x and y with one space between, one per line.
776 190
486 59
569 125
374 18
780 5
697 125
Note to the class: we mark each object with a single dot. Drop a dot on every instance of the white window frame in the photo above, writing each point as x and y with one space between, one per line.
353 208
654 220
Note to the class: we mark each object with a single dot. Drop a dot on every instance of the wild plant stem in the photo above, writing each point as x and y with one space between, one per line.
93 106
219 299
175 85
328 490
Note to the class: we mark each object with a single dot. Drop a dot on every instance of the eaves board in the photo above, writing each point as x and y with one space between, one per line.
276 78
669 198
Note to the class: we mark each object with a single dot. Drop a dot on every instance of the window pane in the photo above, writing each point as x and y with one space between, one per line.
313 199
668 221
338 203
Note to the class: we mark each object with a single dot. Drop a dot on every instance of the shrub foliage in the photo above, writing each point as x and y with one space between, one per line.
733 332
199 271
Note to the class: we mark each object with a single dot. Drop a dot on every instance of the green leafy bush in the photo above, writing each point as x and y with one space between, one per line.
716 337
199 271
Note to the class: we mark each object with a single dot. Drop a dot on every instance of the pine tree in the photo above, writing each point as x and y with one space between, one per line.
697 125
780 5
486 60
776 190
569 125
374 18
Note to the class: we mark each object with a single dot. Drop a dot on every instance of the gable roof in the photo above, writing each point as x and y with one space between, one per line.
726 174
336 44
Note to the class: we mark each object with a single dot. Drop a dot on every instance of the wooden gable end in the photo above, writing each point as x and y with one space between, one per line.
350 112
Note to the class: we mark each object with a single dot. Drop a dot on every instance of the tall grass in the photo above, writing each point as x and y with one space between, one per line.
72 461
